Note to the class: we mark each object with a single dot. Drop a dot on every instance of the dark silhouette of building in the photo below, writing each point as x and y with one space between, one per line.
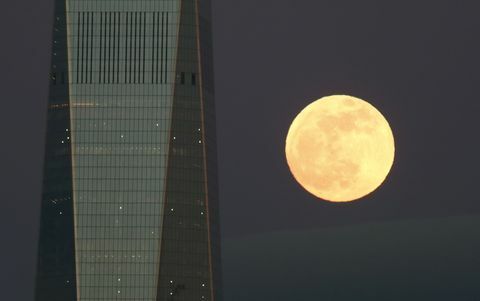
129 203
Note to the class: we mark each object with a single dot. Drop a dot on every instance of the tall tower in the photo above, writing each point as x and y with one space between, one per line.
129 207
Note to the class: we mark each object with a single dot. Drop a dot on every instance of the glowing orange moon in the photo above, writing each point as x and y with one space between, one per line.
340 148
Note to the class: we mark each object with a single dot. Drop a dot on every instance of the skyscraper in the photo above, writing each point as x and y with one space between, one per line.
129 207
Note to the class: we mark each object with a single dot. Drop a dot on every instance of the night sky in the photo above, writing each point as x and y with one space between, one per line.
416 61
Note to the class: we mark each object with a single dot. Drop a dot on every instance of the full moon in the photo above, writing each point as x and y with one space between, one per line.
340 148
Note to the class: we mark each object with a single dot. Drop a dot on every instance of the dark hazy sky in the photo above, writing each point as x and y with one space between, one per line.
416 61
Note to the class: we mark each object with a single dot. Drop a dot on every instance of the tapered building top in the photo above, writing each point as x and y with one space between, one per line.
130 198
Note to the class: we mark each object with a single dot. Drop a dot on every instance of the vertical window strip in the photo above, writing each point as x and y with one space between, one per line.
92 14
106 48
118 15
159 45
126 47
105 58
112 47
114 43
130 50
85 46
82 46
100 44
154 16
135 49
162 49
144 43
82 65
78 49
166 49
109 51
139 45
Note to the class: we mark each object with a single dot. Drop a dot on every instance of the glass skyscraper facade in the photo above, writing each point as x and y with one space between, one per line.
130 204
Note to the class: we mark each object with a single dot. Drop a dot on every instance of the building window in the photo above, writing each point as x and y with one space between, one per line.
194 79
182 78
